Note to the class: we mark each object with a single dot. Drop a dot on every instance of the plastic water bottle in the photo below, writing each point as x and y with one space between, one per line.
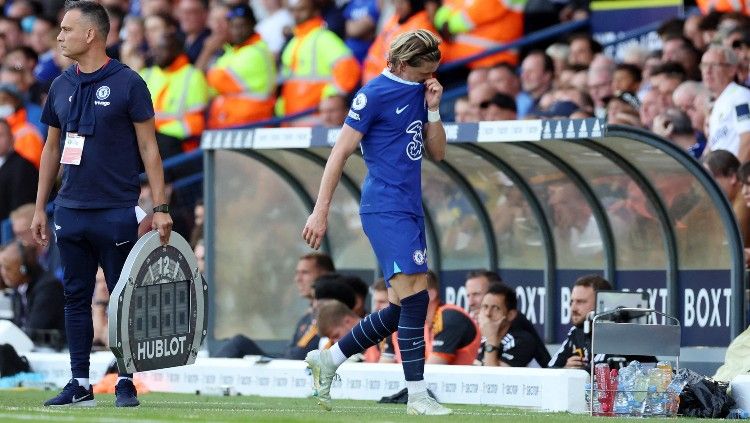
738 413
640 389
625 383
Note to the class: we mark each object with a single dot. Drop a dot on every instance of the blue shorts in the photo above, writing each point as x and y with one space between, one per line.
398 240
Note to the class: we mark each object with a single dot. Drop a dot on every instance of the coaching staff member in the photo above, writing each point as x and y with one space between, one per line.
101 129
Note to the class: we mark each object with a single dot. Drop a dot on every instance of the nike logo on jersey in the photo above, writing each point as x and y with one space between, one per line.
418 343
117 244
401 109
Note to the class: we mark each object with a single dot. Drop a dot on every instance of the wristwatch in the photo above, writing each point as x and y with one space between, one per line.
164 208
490 348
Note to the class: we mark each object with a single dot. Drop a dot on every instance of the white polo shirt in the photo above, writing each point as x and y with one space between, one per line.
729 118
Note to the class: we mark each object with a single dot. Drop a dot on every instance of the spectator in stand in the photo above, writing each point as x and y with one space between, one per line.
478 96
134 48
23 80
333 110
362 18
274 26
464 112
650 107
409 15
12 31
192 16
739 41
599 82
42 40
18 176
472 26
583 48
504 79
179 93
674 125
28 142
38 298
537 75
627 77
314 64
49 256
708 26
244 76
684 98
729 122
500 107
665 78
678 49
157 26
213 47
509 339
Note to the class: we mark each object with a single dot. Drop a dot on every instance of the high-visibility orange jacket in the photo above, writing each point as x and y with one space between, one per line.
478 25
723 6
28 142
377 56
244 78
179 93
315 64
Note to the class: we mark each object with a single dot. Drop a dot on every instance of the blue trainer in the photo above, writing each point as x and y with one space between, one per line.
73 394
126 394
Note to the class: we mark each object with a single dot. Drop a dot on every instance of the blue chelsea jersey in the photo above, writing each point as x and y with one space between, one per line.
391 113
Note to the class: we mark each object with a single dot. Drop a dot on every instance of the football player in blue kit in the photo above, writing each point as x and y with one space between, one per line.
395 118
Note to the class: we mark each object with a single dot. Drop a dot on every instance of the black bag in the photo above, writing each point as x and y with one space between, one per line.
10 362
704 397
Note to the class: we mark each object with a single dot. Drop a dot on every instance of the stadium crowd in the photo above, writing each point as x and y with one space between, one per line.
221 64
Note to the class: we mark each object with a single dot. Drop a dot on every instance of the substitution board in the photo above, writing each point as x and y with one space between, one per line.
158 311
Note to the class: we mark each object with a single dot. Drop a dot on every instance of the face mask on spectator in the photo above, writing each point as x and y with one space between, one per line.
6 110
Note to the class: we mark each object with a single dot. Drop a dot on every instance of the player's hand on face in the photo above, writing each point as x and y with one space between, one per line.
39 228
433 93
315 229
162 222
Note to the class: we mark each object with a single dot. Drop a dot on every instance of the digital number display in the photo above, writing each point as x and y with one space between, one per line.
161 310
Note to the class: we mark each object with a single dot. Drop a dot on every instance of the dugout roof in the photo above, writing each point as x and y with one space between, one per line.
542 202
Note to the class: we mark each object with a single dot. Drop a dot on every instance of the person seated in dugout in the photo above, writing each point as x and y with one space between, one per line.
575 352
509 339
451 336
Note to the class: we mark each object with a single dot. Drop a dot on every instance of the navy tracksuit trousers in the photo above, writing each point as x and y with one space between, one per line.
88 238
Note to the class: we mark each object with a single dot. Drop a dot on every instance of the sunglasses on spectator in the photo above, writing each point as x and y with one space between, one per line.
738 44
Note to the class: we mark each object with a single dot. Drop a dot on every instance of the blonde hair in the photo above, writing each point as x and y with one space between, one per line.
414 48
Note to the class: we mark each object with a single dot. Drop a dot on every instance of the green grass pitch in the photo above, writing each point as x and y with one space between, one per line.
26 406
